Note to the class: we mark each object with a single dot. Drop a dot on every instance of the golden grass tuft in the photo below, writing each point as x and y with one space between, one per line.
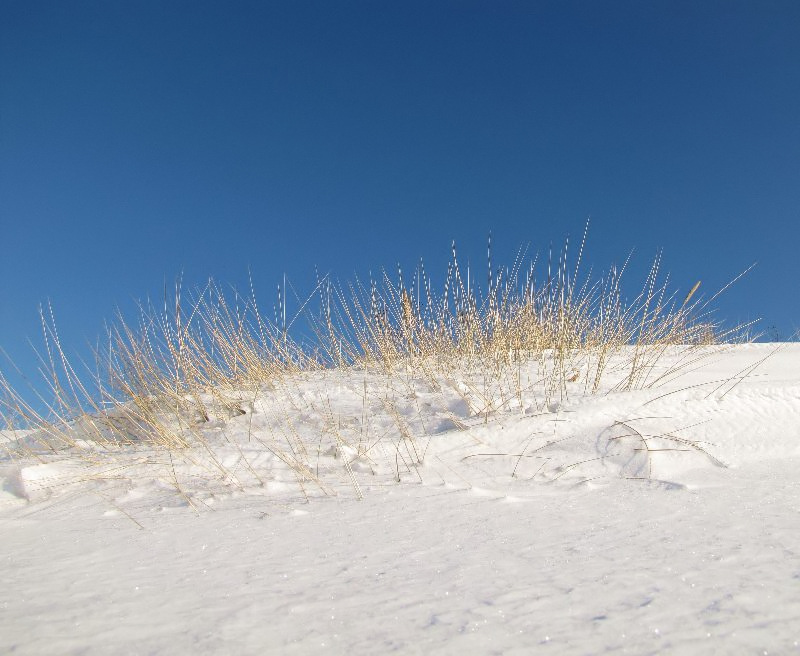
154 386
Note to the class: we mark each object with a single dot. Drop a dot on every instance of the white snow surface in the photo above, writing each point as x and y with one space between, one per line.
431 514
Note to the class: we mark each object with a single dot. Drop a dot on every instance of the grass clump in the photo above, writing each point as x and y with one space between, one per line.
157 389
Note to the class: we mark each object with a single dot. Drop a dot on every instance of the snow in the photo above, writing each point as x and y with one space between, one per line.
659 519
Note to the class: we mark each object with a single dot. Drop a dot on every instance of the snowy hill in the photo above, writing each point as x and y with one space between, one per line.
355 511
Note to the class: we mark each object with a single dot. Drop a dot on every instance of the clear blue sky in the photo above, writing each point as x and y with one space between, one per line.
140 139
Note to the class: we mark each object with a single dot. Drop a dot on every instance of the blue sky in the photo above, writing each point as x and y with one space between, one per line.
139 140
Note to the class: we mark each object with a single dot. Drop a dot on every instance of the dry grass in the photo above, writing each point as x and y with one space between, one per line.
154 386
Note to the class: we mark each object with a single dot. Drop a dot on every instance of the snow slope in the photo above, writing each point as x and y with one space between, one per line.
435 515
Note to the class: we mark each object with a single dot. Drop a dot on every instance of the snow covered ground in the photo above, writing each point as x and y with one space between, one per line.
357 513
